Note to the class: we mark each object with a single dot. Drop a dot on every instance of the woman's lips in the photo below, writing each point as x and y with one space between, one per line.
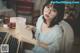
47 15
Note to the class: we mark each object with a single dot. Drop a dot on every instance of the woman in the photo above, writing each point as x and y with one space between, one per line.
48 32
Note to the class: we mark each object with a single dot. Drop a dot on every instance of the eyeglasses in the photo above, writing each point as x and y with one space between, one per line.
51 7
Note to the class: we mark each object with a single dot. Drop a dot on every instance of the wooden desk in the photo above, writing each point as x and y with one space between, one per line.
21 33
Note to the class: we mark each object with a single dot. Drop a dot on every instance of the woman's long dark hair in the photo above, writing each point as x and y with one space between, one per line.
60 14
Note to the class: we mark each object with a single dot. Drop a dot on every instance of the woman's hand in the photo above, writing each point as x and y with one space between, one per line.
30 27
42 44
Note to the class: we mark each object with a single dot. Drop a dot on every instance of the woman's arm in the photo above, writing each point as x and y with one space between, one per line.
32 28
35 42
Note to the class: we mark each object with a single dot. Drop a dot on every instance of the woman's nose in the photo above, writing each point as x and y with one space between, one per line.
49 11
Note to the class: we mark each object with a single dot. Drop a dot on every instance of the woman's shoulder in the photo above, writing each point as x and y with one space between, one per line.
40 17
39 22
57 28
63 22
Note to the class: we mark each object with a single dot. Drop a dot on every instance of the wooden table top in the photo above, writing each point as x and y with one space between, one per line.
21 32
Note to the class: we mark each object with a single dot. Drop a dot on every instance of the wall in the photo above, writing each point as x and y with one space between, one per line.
39 4
1 4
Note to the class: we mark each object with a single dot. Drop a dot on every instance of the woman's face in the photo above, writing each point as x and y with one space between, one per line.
49 13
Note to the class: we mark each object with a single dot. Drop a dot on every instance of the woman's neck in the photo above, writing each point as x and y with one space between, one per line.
48 22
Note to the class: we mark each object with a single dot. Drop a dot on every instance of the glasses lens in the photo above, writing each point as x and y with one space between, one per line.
51 7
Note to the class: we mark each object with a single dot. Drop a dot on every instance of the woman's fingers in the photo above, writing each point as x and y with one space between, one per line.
30 27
